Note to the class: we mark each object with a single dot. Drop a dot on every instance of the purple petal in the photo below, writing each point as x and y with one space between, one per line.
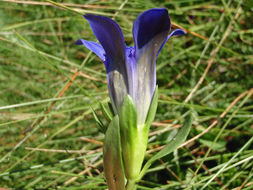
176 32
150 31
149 25
131 70
109 35
111 38
94 47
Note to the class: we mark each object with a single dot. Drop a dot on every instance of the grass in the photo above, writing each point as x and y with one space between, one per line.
48 136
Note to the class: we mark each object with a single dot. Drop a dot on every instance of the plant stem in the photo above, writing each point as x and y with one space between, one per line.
130 185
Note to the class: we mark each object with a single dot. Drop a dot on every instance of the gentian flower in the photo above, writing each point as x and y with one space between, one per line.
131 72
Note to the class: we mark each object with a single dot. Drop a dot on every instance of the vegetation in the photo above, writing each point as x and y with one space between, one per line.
49 86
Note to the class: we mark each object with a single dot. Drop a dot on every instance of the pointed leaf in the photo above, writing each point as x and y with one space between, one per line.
106 112
152 109
113 166
99 123
171 146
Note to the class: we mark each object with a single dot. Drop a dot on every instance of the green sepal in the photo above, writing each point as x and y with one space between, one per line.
133 139
171 146
99 123
112 158
152 109
128 115
107 112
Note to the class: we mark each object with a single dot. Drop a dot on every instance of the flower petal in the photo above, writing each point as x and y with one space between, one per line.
109 35
111 38
94 47
176 32
132 70
149 25
150 31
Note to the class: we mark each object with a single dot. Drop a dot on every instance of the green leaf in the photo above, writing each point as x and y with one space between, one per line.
107 112
99 123
113 166
152 109
171 146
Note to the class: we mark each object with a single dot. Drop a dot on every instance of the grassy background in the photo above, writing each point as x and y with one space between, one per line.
48 136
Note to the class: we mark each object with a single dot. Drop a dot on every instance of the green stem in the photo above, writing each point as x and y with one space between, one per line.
130 185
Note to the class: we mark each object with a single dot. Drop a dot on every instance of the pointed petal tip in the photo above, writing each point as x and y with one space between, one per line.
178 32
153 10
97 18
90 17
78 42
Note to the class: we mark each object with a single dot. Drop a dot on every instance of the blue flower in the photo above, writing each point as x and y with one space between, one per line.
131 70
